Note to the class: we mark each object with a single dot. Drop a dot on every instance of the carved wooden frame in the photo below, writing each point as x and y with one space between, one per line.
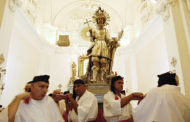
81 60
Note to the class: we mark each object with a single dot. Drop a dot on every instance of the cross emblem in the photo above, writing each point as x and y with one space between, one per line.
87 22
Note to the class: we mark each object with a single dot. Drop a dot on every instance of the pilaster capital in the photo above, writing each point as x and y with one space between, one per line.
14 4
164 8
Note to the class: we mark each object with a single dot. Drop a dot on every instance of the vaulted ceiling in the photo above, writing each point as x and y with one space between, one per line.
52 18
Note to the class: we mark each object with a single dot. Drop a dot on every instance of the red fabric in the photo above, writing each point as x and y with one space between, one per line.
100 117
65 116
27 100
116 97
129 120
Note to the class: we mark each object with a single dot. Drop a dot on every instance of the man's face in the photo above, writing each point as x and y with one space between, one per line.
79 89
57 95
119 85
39 90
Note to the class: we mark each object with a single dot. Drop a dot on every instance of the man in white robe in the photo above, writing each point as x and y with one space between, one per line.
44 110
35 106
164 104
4 115
85 106
117 106
58 98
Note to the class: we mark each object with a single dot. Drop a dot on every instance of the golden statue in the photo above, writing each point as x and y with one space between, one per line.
74 70
102 50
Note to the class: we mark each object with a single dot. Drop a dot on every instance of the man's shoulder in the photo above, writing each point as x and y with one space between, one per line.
88 93
164 88
88 96
50 100
108 94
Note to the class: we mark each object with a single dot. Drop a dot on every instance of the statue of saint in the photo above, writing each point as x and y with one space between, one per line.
74 69
101 52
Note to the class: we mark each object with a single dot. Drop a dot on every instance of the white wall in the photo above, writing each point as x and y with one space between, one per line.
22 61
151 61
5 31
57 62
147 57
60 70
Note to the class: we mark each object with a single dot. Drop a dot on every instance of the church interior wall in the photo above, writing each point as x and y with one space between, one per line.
151 61
119 66
182 44
61 70
22 60
132 79
130 69
2 7
57 62
148 57
172 48
6 30
185 12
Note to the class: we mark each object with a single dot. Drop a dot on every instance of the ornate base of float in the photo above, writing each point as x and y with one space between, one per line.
97 89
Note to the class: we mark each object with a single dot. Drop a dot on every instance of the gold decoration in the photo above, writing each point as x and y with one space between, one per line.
85 34
173 63
81 60
2 59
2 73
2 87
63 40
60 86
74 70
2 8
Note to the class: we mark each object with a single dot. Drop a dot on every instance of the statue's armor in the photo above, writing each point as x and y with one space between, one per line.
100 47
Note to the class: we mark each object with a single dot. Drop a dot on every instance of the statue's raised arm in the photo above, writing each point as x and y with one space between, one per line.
120 34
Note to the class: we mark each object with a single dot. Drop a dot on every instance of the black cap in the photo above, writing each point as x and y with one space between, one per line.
78 81
43 78
167 78
29 82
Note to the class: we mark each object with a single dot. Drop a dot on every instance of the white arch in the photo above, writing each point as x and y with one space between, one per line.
69 7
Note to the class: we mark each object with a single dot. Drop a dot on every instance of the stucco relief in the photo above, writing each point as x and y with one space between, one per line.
146 11
13 4
2 72
29 7
163 8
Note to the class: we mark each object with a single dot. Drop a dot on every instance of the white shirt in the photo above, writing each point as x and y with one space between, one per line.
87 108
113 111
163 104
62 106
4 115
44 110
